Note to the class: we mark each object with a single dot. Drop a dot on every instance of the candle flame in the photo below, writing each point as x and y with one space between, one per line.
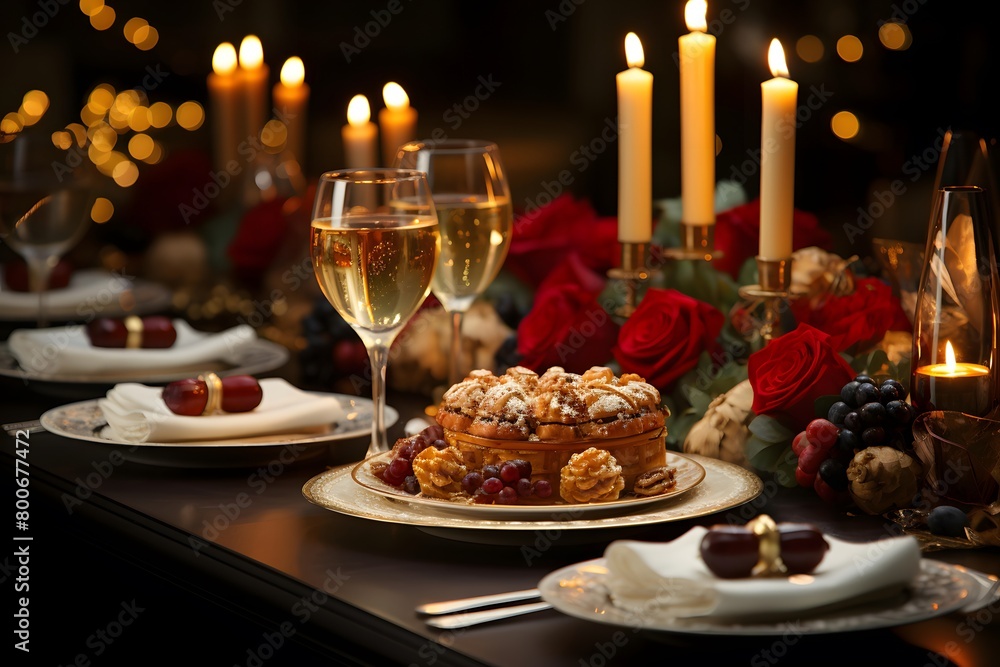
776 59
359 111
949 358
251 52
293 72
395 97
633 51
224 59
694 15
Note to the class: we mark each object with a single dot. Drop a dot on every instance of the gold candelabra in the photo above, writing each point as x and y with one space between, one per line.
772 294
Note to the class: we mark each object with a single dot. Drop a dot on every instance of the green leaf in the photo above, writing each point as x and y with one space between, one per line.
698 399
823 404
764 455
770 429
860 363
784 469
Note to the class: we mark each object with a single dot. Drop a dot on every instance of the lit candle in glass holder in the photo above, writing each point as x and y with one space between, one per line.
953 385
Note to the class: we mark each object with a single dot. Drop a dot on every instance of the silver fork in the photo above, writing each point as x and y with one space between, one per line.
452 614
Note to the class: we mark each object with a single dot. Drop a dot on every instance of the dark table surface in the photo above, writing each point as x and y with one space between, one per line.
232 566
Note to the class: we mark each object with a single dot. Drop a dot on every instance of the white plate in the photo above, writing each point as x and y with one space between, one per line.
725 486
579 590
85 421
251 358
91 293
689 475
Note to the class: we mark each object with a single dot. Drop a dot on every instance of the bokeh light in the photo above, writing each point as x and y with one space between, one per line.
103 18
140 146
895 36
160 115
809 48
849 48
845 125
190 115
102 210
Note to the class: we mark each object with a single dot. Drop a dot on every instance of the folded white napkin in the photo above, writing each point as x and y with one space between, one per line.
61 350
671 580
137 413
85 286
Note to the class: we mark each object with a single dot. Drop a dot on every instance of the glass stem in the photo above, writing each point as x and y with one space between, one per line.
378 354
455 367
39 271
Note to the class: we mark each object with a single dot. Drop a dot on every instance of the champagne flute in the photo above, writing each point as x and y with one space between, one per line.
472 197
374 246
44 207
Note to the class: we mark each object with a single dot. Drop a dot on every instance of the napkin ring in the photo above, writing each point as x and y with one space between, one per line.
769 539
134 327
213 385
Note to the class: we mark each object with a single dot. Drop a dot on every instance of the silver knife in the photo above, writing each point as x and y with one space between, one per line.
451 606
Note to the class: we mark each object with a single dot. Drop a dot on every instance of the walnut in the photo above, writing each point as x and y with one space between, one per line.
883 478
592 475
439 472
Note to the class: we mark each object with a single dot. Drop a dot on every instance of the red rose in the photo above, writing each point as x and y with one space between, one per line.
737 235
566 225
566 325
859 319
666 335
792 371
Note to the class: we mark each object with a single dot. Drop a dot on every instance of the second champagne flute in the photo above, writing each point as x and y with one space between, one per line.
374 248
472 198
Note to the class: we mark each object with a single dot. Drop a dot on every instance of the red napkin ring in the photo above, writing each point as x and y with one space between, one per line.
208 394
132 332
762 548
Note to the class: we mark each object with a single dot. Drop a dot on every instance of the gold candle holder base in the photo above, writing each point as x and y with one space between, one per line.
771 296
697 242
634 270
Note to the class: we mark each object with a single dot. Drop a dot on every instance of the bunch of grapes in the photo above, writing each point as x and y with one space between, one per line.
399 471
867 415
505 483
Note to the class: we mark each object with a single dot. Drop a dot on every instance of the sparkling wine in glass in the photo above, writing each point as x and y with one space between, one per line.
44 207
374 247
472 197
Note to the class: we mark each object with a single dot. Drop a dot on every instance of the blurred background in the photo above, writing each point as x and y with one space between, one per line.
879 84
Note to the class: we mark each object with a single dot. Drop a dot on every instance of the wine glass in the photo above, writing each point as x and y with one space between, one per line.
472 197
45 201
374 246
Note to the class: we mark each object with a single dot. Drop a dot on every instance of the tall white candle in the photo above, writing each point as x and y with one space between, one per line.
360 135
777 163
397 122
635 147
225 99
291 98
254 74
697 65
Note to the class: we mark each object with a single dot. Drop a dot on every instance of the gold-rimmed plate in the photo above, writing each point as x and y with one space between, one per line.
689 474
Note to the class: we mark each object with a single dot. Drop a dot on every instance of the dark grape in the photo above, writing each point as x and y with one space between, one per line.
480 497
888 393
900 389
523 467
847 393
897 412
490 471
492 485
864 379
838 411
507 496
400 468
872 414
471 482
509 472
542 488
411 485
947 521
853 421
834 473
439 444
866 393
847 442
523 487
873 436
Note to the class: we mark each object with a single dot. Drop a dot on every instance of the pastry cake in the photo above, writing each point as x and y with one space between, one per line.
548 419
